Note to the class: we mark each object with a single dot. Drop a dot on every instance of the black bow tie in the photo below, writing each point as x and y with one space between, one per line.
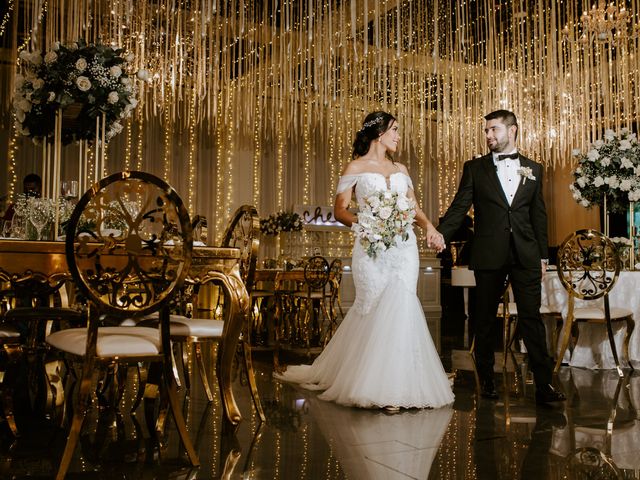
513 156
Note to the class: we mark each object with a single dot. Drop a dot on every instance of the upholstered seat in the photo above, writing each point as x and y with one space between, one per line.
112 341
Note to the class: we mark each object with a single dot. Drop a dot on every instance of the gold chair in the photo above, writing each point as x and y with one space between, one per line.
333 296
243 232
128 248
312 300
588 267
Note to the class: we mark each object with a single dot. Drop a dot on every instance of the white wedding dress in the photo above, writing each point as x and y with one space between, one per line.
382 353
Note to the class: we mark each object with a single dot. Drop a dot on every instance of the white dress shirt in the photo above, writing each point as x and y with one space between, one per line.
508 175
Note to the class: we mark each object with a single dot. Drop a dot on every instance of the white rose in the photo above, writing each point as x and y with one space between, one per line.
125 81
598 181
598 143
626 163
593 155
584 202
605 162
575 152
143 74
81 64
24 55
115 71
50 57
113 97
83 83
20 115
582 182
576 196
117 127
52 96
19 82
609 135
73 47
133 102
130 57
625 145
38 83
36 58
625 185
385 212
25 131
402 203
56 46
612 181
24 105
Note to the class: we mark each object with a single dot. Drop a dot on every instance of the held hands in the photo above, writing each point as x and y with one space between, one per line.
435 239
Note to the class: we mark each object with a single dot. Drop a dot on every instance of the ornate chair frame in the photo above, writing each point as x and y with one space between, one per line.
588 267
126 288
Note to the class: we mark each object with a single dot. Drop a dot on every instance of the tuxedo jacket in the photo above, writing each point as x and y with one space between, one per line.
497 223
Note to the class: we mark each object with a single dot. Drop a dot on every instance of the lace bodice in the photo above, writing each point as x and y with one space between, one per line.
370 182
398 264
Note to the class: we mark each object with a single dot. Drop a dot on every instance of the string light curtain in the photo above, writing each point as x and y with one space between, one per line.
259 74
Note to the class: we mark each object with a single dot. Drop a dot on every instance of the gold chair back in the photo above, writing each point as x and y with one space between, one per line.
243 232
316 273
588 264
129 244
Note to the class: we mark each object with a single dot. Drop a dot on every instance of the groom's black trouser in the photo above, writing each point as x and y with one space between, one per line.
525 283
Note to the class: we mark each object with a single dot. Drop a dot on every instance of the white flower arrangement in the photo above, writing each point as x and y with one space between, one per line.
525 173
611 168
384 221
97 77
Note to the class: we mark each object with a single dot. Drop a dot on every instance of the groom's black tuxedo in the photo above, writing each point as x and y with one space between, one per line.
497 223
509 240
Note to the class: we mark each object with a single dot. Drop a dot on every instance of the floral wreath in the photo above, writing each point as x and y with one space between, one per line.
281 222
93 76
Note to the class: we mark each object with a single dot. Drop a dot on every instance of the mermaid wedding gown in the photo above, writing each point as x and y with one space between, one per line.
382 353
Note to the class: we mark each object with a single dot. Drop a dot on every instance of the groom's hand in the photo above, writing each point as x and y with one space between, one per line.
435 239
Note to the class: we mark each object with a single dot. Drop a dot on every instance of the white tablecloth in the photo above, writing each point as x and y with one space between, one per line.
593 350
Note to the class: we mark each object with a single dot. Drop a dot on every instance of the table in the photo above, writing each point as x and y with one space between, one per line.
592 349
46 260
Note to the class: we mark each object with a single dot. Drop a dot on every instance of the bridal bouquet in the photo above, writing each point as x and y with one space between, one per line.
384 221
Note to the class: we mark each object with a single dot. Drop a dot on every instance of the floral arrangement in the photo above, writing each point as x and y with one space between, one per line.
281 222
40 211
610 168
384 221
93 76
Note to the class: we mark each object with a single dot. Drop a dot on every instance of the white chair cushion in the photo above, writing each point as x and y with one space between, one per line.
595 313
8 331
112 341
196 327
182 326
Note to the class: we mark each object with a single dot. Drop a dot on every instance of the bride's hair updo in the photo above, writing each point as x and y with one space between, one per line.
374 125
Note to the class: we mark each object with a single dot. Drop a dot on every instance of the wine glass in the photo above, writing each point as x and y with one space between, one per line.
39 219
70 189
17 227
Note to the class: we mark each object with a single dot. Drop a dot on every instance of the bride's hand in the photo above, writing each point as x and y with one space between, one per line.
435 239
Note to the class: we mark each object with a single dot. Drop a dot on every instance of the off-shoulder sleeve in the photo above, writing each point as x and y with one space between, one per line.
409 182
346 182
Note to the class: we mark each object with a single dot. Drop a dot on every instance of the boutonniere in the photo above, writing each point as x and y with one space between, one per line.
525 173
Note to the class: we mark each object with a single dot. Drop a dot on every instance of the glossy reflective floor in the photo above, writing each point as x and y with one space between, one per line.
306 438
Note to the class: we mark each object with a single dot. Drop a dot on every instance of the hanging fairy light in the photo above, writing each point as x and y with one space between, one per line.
438 66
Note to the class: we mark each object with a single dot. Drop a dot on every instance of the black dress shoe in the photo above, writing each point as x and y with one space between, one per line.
548 394
488 390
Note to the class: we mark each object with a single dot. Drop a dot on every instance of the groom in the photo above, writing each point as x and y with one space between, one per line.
505 189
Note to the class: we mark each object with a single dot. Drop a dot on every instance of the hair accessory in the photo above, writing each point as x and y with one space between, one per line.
371 123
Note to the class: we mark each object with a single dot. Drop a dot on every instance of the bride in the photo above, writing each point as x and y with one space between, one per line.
381 354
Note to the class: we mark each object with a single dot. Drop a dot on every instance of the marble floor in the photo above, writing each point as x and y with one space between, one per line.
306 438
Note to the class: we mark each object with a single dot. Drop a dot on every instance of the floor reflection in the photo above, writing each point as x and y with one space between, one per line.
596 434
